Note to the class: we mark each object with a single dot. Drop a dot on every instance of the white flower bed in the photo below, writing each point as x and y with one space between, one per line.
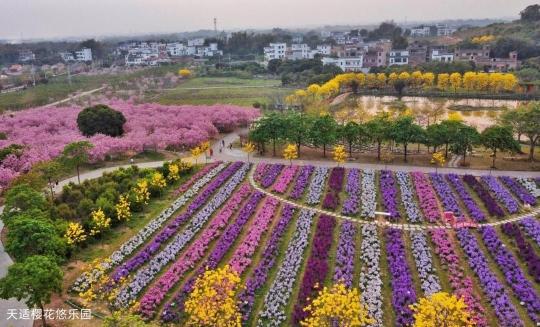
273 313
145 275
424 263
370 277
529 185
368 197
316 187
414 214
83 282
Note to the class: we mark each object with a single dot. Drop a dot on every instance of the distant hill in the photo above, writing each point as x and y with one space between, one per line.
518 29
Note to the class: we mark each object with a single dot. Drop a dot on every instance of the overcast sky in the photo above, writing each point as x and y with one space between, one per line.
59 18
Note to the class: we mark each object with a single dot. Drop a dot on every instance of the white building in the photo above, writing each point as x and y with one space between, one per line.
26 56
176 49
421 31
275 51
299 51
353 64
442 56
398 58
84 54
445 30
196 42
324 49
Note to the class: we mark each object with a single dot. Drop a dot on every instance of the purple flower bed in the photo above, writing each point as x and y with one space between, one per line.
260 171
351 206
493 289
493 208
446 195
301 182
531 226
316 267
522 287
273 313
187 184
268 259
526 251
172 228
271 174
345 254
176 306
407 197
472 208
403 293
522 194
389 194
501 194
335 185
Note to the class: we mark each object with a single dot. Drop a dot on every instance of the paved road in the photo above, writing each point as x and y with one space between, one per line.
75 97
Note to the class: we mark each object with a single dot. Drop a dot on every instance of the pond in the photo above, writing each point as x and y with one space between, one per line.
480 113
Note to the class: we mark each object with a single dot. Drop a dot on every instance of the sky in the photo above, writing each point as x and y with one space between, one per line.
30 19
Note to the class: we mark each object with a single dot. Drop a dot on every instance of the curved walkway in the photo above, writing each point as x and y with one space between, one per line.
378 213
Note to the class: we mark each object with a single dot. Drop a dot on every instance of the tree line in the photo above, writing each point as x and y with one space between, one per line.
450 136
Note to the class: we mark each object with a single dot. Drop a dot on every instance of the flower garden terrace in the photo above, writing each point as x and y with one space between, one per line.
285 230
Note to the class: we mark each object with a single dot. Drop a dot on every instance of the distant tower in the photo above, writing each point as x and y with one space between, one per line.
215 26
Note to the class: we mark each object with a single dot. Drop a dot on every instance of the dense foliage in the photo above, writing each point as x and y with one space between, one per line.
101 119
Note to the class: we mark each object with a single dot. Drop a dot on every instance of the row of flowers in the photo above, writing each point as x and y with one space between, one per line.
285 179
335 185
445 194
430 282
316 266
145 275
196 251
271 174
369 195
260 170
351 206
370 276
521 192
531 226
223 244
471 205
403 293
407 197
494 291
345 254
459 281
198 175
526 251
172 228
82 283
301 182
273 312
493 208
317 185
389 194
241 259
522 287
530 186
268 260
426 197
501 194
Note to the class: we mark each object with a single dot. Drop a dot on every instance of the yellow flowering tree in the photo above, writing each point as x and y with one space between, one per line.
438 160
248 148
428 80
381 80
100 222
212 301
455 81
337 306
416 78
158 182
185 73
204 146
455 116
75 234
340 155
196 152
443 81
290 153
142 194
441 309
174 172
122 208
469 81
392 78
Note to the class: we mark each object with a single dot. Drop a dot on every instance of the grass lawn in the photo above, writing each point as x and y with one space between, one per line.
224 90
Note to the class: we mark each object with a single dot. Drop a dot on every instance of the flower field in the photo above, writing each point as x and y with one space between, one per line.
289 231
45 131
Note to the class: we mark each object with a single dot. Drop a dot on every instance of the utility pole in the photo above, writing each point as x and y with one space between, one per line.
68 73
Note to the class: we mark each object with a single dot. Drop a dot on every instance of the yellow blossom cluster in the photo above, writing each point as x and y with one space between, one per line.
122 208
100 222
483 39
75 234
441 309
212 301
158 181
340 155
142 195
290 152
174 172
337 306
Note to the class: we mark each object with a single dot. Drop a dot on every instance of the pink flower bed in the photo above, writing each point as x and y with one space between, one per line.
285 179
426 197
45 131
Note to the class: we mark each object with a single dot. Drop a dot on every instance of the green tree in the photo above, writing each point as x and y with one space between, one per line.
379 130
323 132
531 13
51 172
270 128
443 133
22 198
28 236
515 119
76 154
404 131
498 138
101 119
466 138
296 126
35 280
353 134
531 126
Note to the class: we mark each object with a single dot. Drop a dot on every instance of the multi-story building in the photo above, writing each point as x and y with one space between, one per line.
398 57
275 51
441 56
445 30
417 55
176 49
500 64
471 54
199 42
299 51
26 56
375 57
352 64
324 49
81 55
421 31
